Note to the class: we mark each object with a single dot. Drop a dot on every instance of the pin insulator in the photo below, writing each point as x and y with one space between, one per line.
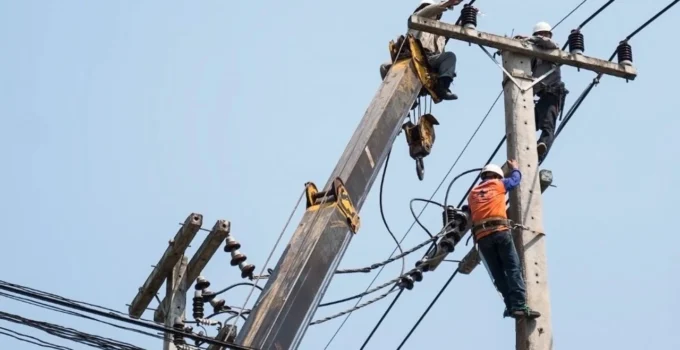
468 16
208 295
576 42
201 283
406 282
625 53
425 267
218 305
246 270
237 257
178 339
231 244
198 307
417 275
448 215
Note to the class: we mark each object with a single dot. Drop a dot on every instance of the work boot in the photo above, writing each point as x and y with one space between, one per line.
442 89
541 148
524 312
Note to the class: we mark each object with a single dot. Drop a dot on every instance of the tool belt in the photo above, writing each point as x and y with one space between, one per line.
489 223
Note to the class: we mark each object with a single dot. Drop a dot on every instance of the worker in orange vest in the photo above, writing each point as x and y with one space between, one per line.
491 232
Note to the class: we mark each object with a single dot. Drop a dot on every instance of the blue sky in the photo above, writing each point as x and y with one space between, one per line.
122 117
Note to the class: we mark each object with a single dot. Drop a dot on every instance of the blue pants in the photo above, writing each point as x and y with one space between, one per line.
503 262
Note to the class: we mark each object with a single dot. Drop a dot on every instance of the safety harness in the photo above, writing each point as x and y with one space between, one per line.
490 223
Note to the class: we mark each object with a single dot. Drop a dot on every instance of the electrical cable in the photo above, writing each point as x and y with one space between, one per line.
387 227
569 14
73 313
74 335
382 318
441 291
382 212
31 339
442 183
237 285
581 100
271 253
80 306
381 264
590 18
427 201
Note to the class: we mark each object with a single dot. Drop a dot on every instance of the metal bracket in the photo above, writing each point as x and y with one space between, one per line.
337 196
517 74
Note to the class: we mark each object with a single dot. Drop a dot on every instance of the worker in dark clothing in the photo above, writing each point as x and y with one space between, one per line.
551 90
491 232
443 62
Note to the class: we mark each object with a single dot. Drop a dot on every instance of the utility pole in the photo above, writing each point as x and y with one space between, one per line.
175 269
526 200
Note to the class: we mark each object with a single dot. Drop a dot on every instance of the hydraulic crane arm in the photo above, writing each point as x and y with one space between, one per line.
293 292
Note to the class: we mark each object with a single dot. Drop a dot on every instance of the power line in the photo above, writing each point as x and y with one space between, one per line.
74 335
76 305
31 339
570 13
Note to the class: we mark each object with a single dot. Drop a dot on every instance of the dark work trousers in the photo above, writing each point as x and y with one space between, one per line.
546 110
500 255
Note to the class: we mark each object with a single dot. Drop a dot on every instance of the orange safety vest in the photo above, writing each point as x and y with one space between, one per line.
487 204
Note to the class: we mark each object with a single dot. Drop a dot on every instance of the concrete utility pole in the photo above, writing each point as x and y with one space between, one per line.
526 201
178 273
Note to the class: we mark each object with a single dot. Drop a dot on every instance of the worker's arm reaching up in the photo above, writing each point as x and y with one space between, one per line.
544 42
432 11
515 177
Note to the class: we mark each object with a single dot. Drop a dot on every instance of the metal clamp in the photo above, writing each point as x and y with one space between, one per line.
511 76
337 196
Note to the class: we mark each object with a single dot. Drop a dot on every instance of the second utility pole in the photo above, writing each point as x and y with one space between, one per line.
526 202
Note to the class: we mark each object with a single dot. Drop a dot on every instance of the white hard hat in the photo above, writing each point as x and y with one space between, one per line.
542 27
429 2
493 168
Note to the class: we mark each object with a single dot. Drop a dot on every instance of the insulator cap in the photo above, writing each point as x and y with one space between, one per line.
625 53
576 42
218 305
208 295
406 282
417 275
237 257
202 283
246 270
468 16
231 244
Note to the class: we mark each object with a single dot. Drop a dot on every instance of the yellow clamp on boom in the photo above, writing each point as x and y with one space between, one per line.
336 196
415 52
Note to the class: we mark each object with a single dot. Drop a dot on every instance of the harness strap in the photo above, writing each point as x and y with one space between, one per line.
489 223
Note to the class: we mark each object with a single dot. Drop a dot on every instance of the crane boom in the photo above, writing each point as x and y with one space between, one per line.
305 269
